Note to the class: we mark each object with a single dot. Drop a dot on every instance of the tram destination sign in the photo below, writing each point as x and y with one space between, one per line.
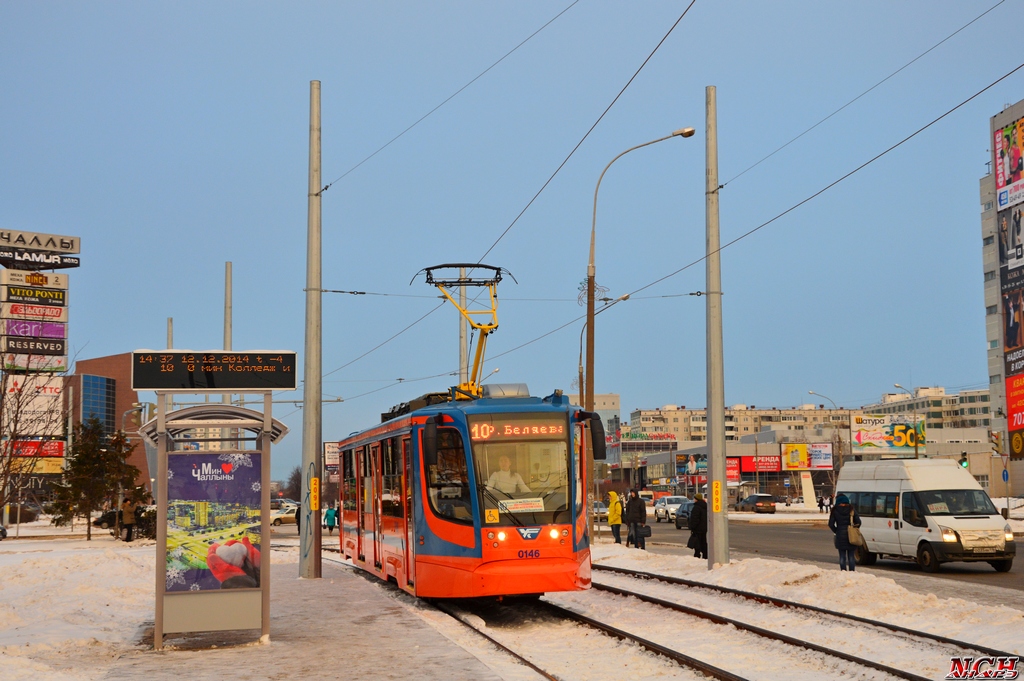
195 370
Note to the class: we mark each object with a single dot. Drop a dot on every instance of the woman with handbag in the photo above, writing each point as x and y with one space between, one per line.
844 521
636 518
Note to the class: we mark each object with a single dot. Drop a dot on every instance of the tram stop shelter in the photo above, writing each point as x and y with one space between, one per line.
213 524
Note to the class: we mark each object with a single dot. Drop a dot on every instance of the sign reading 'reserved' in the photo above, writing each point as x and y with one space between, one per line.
35 346
186 370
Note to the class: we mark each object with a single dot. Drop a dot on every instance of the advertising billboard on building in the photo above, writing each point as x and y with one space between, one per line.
761 464
1010 238
18 362
1008 163
42 279
888 433
47 313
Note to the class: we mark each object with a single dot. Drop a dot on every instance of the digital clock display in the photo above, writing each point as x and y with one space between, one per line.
186 370
498 427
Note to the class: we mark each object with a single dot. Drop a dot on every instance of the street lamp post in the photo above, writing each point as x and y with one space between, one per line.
912 397
589 377
849 424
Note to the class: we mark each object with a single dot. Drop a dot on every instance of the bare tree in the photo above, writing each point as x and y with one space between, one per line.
293 489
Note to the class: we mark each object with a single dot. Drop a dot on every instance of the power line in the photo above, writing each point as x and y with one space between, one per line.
450 97
587 134
865 92
543 187
780 215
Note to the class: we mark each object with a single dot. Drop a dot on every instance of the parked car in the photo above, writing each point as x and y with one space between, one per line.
600 511
278 503
665 508
283 516
757 503
106 520
682 515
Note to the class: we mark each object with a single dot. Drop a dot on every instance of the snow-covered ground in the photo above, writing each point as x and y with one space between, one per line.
69 609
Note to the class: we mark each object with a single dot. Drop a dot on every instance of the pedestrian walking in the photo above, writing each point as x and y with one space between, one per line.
128 518
330 518
636 517
298 519
615 516
821 503
839 520
698 524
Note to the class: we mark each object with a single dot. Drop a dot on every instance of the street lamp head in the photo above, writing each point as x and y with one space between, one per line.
683 132
897 385
811 392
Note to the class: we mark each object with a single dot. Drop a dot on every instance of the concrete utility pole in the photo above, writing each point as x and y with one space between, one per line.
718 490
312 410
463 350
226 399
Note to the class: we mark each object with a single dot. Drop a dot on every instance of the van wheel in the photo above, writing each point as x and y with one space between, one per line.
926 559
865 557
1002 565
277 522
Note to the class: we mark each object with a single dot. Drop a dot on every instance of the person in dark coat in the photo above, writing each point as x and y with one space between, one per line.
839 521
698 524
298 519
636 517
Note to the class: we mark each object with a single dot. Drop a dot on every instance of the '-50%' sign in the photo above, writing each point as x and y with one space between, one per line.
186 370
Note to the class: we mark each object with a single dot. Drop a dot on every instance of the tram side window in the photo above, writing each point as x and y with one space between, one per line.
349 481
391 474
448 481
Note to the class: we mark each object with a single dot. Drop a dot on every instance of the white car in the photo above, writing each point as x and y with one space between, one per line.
665 508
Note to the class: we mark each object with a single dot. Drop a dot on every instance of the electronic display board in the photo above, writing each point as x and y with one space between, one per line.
507 427
195 370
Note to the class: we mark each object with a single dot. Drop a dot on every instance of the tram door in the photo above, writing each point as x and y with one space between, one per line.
375 473
410 528
363 501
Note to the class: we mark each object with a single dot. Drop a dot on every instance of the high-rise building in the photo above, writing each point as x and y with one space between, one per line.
1002 202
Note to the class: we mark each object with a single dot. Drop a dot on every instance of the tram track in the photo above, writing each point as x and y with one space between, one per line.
516 618
782 603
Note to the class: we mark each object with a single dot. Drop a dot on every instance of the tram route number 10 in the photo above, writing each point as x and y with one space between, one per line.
532 553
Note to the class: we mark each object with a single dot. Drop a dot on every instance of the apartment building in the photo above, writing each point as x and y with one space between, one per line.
690 425
967 409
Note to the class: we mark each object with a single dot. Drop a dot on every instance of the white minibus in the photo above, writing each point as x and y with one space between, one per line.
929 510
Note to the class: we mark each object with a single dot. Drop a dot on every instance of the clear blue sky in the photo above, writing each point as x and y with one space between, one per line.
173 137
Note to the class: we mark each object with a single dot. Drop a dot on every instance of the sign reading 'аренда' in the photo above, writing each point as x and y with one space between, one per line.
186 370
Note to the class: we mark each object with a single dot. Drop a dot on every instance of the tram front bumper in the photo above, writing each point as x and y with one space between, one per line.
530 576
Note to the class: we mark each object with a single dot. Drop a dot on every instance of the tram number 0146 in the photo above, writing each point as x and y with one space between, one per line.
532 553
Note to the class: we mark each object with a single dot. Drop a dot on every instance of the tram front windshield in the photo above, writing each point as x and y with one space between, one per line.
522 467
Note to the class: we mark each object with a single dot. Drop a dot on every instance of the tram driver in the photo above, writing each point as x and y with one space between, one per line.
505 480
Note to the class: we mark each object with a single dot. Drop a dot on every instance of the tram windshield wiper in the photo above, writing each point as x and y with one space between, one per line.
487 492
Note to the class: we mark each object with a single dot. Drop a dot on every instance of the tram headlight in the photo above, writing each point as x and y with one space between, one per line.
553 534
501 536
490 535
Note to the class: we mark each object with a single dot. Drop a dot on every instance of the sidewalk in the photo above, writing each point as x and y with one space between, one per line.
341 626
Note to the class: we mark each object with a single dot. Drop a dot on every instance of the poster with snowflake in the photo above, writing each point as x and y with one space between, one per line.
213 521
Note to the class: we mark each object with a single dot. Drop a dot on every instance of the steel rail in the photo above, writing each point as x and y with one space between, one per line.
676 656
765 633
782 603
443 607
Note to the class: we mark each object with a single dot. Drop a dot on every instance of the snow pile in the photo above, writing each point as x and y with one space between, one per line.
856 593
85 601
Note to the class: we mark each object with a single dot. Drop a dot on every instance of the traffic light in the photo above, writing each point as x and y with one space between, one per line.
997 441
963 459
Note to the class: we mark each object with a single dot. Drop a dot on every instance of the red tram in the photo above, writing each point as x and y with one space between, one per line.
467 498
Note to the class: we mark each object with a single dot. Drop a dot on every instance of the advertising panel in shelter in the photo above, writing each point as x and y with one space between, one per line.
213 521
